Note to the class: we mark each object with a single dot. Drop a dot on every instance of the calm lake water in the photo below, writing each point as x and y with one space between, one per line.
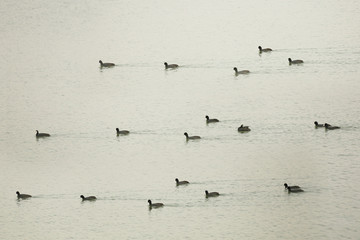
51 81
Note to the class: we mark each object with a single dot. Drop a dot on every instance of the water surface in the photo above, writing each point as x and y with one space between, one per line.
51 82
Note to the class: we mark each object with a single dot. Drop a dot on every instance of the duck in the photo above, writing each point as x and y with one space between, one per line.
243 128
38 135
170 65
292 187
90 198
122 132
180 182
106 64
329 127
155 205
22 196
241 72
191 137
211 120
318 125
264 49
211 194
295 61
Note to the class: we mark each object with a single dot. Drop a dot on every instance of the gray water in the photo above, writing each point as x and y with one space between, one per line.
51 81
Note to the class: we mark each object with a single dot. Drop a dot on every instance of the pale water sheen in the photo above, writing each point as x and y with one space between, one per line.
51 81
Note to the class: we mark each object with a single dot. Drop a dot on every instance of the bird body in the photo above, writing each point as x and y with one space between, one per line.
170 65
22 196
261 50
211 120
243 128
292 187
295 61
90 198
121 132
318 124
155 205
211 194
180 182
106 64
38 135
191 137
329 127
294 190
241 72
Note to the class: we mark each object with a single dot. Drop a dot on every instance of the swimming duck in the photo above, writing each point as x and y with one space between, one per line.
292 187
295 61
22 196
155 205
264 49
211 194
180 182
191 137
329 127
122 132
318 125
243 128
41 134
90 198
106 64
170 65
211 120
241 72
